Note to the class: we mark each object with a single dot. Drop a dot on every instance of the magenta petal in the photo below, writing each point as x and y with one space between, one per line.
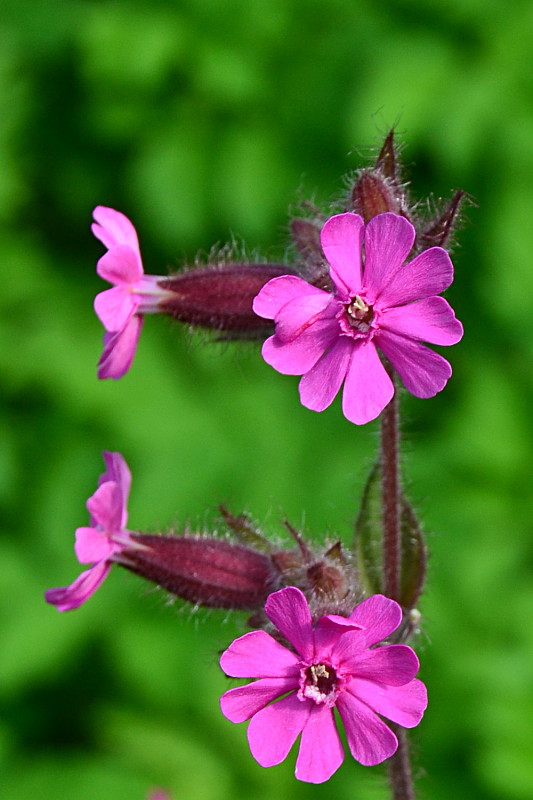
121 266
428 274
370 740
105 507
280 291
119 350
67 598
114 307
258 655
402 704
342 238
379 616
243 702
394 664
321 752
298 356
297 315
367 388
388 241
114 228
118 471
92 545
423 372
289 610
430 320
319 386
273 730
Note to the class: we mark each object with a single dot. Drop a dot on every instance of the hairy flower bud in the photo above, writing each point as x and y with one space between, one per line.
378 189
203 570
439 230
220 298
372 194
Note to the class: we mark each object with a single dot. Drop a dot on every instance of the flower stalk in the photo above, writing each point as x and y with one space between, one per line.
391 502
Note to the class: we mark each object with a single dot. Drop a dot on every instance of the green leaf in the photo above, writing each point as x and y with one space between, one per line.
413 556
368 545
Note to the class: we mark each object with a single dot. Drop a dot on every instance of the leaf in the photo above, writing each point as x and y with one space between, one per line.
368 545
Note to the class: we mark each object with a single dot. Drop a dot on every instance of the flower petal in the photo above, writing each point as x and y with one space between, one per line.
321 751
105 507
66 598
367 388
258 655
428 274
299 314
243 702
92 545
115 307
120 265
423 372
280 291
327 631
430 320
342 238
289 610
369 739
273 730
388 241
119 349
118 471
297 357
320 385
379 616
114 228
402 704
394 664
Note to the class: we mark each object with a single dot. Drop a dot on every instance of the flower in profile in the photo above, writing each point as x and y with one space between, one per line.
379 302
101 542
333 664
121 308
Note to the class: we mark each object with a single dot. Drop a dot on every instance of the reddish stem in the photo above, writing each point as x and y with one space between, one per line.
400 776
390 492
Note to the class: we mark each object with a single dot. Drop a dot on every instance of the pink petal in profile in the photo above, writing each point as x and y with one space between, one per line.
119 349
114 228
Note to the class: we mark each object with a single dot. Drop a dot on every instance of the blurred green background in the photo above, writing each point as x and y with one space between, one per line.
204 120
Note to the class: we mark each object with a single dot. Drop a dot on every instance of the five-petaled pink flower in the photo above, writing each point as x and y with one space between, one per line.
120 309
333 664
100 543
380 301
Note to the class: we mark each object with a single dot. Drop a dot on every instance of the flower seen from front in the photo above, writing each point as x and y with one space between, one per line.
121 308
380 302
101 542
334 664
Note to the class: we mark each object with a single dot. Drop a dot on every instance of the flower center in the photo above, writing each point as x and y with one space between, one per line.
358 314
319 682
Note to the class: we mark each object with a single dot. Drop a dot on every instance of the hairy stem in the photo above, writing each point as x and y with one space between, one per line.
390 489
400 775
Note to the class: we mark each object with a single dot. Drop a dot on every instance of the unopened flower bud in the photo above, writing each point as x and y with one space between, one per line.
373 194
203 570
220 298
439 231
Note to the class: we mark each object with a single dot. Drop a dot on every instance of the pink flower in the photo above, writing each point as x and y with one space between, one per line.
331 665
100 543
380 302
120 309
